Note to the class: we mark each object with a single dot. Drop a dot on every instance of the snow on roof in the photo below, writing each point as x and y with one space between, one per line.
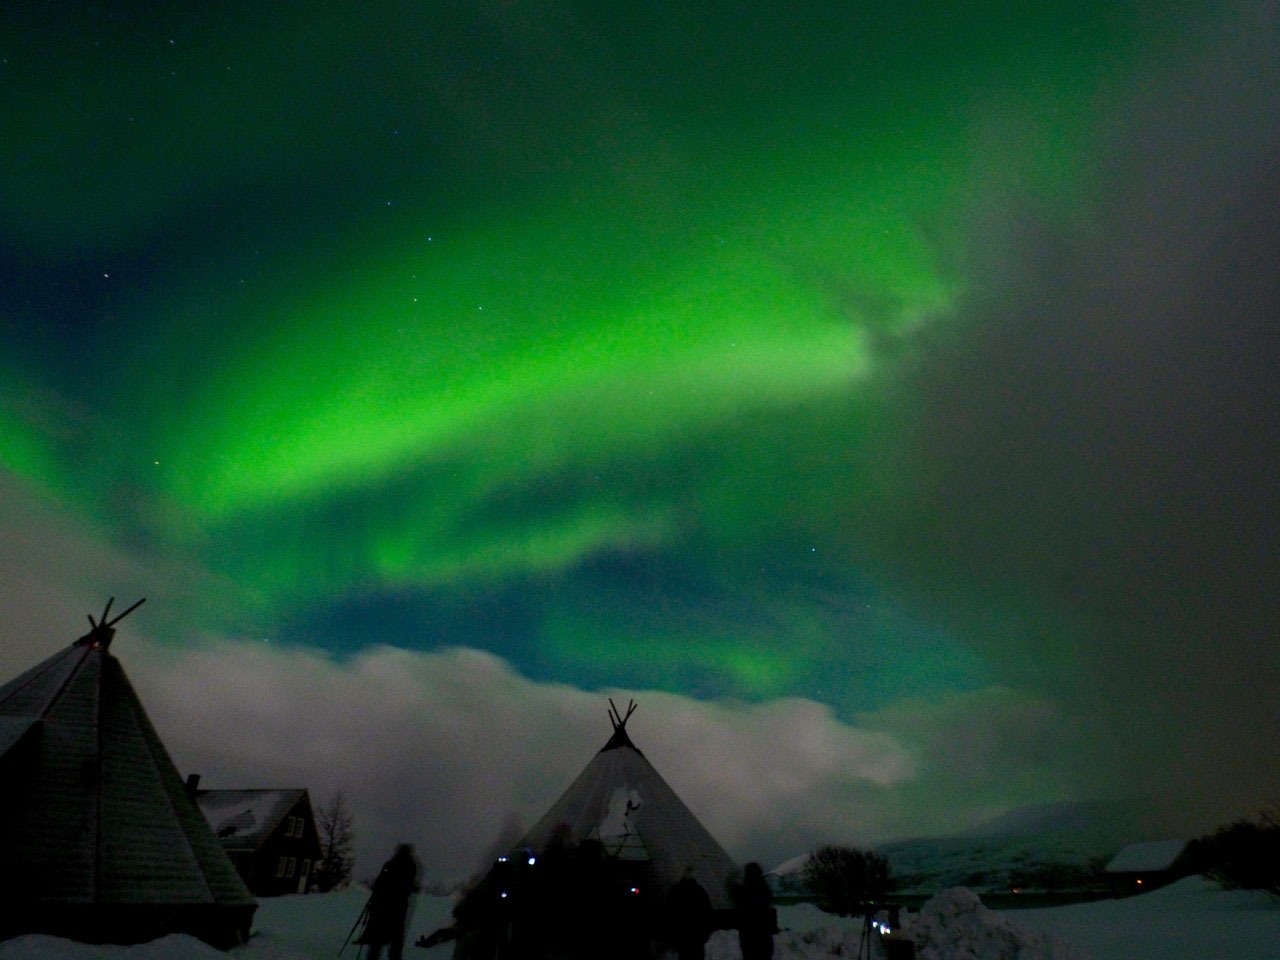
243 819
1149 855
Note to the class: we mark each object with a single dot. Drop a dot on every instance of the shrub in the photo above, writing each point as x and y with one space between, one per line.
1241 855
844 880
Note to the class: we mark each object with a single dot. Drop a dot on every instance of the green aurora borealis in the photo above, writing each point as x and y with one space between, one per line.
638 346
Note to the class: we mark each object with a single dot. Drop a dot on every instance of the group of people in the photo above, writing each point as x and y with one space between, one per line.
569 902
575 909
692 919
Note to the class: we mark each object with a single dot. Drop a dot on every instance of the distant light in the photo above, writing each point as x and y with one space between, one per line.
502 859
532 861
635 889
503 894
1139 881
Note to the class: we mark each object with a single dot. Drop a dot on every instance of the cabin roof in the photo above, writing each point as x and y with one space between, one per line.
1150 855
244 819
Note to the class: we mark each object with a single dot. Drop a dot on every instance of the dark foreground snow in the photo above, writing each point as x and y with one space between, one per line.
1191 920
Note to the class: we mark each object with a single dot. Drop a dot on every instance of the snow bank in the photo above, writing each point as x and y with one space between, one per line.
954 923
807 934
39 947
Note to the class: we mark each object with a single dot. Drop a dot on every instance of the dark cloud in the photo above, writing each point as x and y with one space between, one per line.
51 569
1100 429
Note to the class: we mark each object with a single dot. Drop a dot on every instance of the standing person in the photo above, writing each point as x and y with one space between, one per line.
588 934
757 918
689 918
389 904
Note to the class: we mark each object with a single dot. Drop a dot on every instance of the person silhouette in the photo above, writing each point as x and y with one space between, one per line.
689 917
389 902
756 916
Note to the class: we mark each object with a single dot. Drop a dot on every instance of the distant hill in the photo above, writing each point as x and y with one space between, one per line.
1056 847
1046 847
1106 821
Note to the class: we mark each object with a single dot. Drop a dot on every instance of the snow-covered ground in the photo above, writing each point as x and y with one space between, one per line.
1190 920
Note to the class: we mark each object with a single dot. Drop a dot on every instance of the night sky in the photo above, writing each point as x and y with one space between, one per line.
885 395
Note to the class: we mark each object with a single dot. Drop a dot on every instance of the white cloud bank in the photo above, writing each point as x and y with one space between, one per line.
448 749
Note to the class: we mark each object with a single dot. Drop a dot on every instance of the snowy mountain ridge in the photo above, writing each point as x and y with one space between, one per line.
1056 846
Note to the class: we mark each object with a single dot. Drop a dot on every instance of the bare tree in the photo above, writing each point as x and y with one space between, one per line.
336 825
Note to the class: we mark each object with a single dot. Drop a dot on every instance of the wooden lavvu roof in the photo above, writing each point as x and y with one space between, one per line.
99 840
